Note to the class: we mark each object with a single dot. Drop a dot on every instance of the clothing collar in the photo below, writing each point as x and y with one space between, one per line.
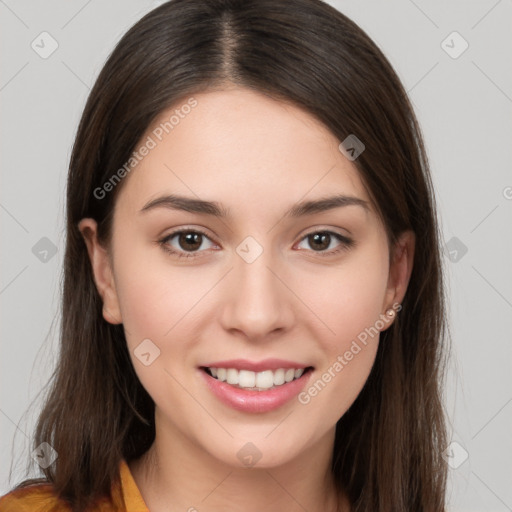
132 498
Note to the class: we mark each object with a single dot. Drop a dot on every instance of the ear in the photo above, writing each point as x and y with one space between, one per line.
400 269
102 270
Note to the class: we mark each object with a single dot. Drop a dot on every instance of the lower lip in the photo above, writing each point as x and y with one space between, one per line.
255 401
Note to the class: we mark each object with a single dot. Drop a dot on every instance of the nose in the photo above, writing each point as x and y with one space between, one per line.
258 300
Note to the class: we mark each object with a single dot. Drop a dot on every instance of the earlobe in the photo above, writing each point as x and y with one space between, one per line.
102 271
400 270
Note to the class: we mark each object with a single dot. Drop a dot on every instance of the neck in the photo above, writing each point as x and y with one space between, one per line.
177 474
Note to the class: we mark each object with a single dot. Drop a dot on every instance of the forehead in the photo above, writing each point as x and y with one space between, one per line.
239 146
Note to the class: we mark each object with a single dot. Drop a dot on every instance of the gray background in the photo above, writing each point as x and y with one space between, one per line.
463 103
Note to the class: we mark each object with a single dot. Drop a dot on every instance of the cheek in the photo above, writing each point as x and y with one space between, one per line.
144 304
157 302
347 298
349 303
154 296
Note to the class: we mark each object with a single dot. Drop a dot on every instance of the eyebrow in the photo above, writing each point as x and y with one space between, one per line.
189 204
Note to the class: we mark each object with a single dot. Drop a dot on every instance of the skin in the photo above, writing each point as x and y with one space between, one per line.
257 157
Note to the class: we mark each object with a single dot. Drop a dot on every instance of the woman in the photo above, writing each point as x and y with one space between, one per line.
253 312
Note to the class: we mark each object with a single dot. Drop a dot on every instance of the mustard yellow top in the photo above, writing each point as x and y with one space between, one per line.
40 498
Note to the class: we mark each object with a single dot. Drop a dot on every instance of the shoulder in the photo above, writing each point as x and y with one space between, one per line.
41 497
33 498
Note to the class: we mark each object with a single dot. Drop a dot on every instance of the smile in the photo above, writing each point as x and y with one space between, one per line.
255 387
256 381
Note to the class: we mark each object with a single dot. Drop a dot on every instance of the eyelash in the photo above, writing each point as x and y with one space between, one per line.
346 243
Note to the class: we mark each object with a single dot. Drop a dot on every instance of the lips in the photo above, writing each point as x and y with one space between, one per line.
255 387
266 364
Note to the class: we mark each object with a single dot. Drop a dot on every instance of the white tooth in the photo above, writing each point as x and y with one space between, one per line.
232 376
246 379
289 375
213 372
221 374
265 379
299 372
279 377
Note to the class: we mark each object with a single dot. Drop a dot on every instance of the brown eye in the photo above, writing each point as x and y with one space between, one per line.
185 243
190 240
321 241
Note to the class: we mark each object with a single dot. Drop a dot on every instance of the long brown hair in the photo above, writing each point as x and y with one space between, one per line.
388 446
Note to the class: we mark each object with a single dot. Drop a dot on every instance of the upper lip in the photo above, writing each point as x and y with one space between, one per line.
255 366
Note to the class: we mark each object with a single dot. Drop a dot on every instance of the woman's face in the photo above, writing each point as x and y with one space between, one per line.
273 288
